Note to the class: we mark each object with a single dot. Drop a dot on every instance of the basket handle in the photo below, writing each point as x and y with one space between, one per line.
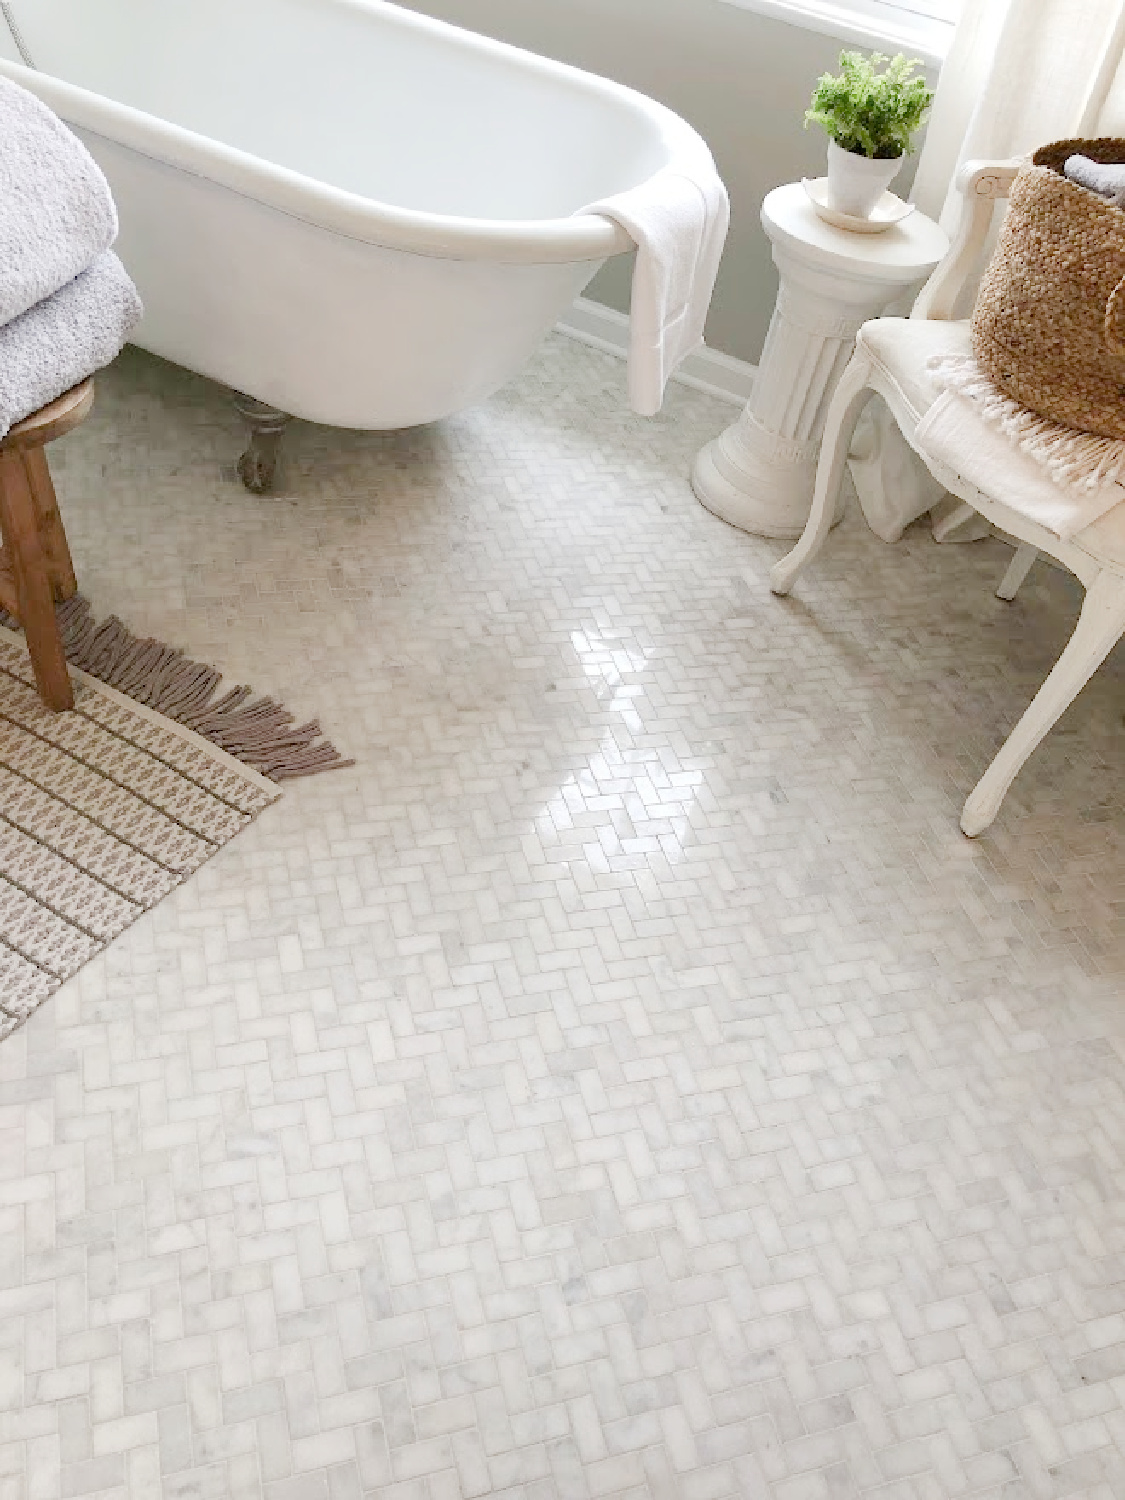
1114 328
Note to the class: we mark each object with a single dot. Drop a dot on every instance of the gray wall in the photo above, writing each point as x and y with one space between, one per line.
741 79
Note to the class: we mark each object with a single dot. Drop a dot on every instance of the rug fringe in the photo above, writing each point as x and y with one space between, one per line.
1071 457
257 731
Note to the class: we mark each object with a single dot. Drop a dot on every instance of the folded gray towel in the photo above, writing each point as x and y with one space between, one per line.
63 339
56 212
1107 179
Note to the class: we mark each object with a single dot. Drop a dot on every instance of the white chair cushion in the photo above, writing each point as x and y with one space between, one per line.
902 348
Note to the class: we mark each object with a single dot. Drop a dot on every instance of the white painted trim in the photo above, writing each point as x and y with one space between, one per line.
707 370
881 24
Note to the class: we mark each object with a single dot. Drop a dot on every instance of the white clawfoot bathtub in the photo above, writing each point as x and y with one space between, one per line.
351 212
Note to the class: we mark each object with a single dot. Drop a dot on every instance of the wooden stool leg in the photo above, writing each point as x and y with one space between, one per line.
51 530
19 523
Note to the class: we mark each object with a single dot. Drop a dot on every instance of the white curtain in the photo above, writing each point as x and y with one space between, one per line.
1020 73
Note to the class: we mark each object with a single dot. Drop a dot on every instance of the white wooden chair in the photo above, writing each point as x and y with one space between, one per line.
891 358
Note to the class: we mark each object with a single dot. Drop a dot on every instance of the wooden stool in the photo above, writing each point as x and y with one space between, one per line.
35 565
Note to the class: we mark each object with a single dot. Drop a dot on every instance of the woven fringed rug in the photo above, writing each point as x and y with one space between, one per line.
258 731
105 810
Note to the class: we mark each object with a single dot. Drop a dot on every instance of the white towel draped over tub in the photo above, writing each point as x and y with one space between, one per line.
56 212
679 220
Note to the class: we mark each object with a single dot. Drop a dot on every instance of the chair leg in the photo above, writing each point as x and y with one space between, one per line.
1023 560
848 400
19 523
1100 626
50 523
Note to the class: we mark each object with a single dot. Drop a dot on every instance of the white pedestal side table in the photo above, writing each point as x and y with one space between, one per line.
759 473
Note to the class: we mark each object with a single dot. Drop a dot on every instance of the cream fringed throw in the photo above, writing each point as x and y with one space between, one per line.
1071 457
1062 478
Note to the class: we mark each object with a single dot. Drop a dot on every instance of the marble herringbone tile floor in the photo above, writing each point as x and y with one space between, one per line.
626 1081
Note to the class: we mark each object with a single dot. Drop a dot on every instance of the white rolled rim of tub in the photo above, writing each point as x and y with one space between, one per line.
579 237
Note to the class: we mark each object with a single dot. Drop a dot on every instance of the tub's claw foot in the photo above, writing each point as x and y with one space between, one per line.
257 468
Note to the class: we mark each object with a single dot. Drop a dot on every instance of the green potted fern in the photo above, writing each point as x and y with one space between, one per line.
871 118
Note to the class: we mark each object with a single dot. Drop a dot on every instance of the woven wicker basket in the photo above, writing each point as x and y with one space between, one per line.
1049 321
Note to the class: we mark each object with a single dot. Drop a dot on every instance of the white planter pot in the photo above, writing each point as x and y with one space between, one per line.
856 183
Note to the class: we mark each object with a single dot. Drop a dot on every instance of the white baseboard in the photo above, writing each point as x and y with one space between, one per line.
707 370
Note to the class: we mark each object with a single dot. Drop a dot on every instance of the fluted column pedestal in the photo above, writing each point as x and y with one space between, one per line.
759 473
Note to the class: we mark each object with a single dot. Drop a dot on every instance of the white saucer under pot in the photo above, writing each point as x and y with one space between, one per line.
887 212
